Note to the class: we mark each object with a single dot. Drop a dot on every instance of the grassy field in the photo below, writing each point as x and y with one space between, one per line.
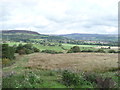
56 48
14 43
71 45
74 61
41 70
41 47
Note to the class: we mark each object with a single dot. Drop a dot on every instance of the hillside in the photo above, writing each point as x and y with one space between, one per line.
24 35
92 37
20 31
78 39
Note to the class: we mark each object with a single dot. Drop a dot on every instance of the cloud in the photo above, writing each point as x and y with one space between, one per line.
60 16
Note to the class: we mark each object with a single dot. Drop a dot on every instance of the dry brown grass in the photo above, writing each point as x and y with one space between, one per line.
74 61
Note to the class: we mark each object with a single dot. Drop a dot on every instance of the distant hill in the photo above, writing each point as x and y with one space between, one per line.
94 37
20 31
18 35
24 35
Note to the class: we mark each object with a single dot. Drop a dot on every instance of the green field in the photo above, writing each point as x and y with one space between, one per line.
57 48
71 45
41 47
19 75
68 46
15 43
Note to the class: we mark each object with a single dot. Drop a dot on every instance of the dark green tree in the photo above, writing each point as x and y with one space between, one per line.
74 49
7 51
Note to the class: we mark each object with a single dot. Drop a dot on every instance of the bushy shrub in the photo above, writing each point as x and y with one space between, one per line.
90 76
101 82
100 50
74 49
26 49
6 62
111 51
21 51
70 78
50 51
36 50
7 51
27 80
89 50
28 46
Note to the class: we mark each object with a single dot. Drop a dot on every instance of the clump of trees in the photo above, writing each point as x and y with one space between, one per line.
112 51
51 51
100 50
26 49
8 51
7 55
74 49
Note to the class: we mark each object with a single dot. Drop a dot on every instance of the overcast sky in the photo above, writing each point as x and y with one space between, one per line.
60 16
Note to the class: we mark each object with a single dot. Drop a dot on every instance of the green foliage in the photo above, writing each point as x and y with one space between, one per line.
74 49
89 50
7 62
27 80
70 78
26 49
52 79
51 51
100 50
21 51
36 49
111 51
91 77
8 52
75 80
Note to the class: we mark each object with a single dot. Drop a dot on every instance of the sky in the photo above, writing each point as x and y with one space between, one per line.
60 16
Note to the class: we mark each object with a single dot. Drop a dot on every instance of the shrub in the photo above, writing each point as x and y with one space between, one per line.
100 50
51 51
105 82
28 46
89 50
99 80
111 51
27 80
6 62
70 78
19 47
36 50
74 49
21 52
90 76
7 51
26 49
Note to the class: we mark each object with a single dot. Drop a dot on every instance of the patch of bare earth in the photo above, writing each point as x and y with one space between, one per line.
73 61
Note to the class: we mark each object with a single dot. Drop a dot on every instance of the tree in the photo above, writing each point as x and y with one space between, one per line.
112 51
74 49
7 51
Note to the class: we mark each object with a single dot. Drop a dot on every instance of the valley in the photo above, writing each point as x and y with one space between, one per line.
46 61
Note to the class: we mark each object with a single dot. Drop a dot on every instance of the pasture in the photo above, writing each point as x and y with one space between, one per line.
74 61
40 70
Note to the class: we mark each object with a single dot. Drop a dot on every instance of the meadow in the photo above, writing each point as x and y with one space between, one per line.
39 70
64 70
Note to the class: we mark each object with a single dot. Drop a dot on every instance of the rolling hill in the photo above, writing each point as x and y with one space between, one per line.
20 31
92 37
25 35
